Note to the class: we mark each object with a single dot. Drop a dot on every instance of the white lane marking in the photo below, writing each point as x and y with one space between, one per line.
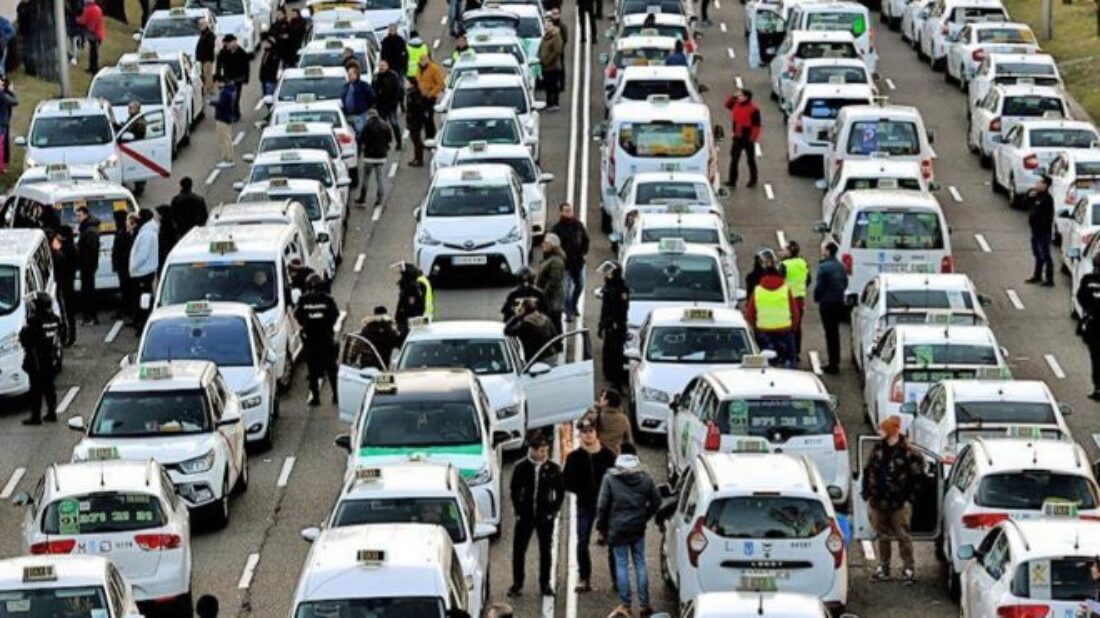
955 195
258 105
67 401
113 333
768 191
359 262
982 243
717 4
212 176
443 21
249 571
759 151
781 238
377 214
1055 368
868 550
339 326
571 573
404 134
737 82
435 44
815 362
393 170
933 152
1096 439
730 53
722 26
13 482
890 84
284 474
122 362
1014 298
238 138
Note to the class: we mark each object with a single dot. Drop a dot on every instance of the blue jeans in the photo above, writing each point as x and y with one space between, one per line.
623 555
1040 248
782 343
268 88
358 123
573 290
454 16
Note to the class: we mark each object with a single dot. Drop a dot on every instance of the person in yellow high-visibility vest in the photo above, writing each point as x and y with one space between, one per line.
772 312
796 270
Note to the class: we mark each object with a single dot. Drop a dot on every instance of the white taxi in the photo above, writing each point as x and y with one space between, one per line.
836 71
660 24
330 53
967 49
188 75
318 83
910 358
881 130
700 228
633 51
759 600
1073 174
638 83
316 165
508 91
48 586
472 220
175 30
181 414
60 172
483 63
657 192
1077 227
274 214
241 18
326 214
533 179
230 336
843 16
418 493
495 126
913 17
812 116
26 268
153 86
872 174
678 344
946 18
526 21
1035 69
806 44
345 24
306 108
307 136
126 511
1005 107
505 43
1025 152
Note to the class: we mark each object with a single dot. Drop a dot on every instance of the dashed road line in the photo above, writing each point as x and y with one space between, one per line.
377 214
868 550
284 474
443 21
435 44
113 333
259 104
249 571
67 400
1014 298
722 26
404 134
238 138
983 243
730 53
1055 368
890 84
13 482
717 4
781 238
955 195
359 262
122 361
815 362
768 191
212 176
759 151
738 82
393 170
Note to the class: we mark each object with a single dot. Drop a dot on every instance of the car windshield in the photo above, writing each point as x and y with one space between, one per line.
458 72
1062 138
309 201
67 602
965 14
1087 168
524 167
135 414
1069 580
102 208
323 88
929 299
330 116
470 200
907 183
218 7
824 49
643 7
897 229
376 607
892 137
829 75
1000 411
641 56
458 133
482 356
673 30
1029 489
9 289
436 511
949 354
378 5
409 424
309 170
776 419
103 513
856 23
122 88
662 192
662 139
222 340
1025 68
252 283
642 89
687 345
767 517
65 131
1006 35
172 27
501 48
828 108
509 97
326 143
700 235
333 58
664 277
1031 106
491 22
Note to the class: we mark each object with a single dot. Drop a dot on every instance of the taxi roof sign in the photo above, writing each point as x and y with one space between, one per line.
103 453
751 445
290 156
1059 508
342 24
198 307
39 573
672 245
221 247
385 383
148 55
155 372
370 556
420 320
887 183
471 175
68 105
178 11
280 181
313 72
305 97
334 44
757 583
698 313
479 145
1029 432
754 361
296 127
368 474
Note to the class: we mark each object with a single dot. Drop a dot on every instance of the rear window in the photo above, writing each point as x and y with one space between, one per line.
641 56
437 511
782 418
298 142
822 49
641 89
1087 168
662 139
220 339
856 23
313 115
411 424
703 236
929 299
172 27
662 30
122 88
950 354
887 229
1056 579
324 88
514 98
459 133
661 192
1006 35
103 513
309 201
893 137
767 517
1029 489
977 13
827 109
1025 68
1062 138
680 344
1031 106
907 184
1023 412
662 277
67 602
828 75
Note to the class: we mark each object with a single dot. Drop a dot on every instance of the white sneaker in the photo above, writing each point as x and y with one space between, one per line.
224 165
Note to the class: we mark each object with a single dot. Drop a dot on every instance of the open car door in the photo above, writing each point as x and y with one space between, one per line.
360 363
559 391
767 33
147 154
927 506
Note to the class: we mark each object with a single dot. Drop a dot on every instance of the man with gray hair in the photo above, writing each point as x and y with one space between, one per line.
551 277
374 145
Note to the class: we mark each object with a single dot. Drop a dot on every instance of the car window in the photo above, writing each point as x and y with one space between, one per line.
1029 489
893 137
776 420
150 413
767 517
893 229
103 513
392 510
222 340
411 424
994 561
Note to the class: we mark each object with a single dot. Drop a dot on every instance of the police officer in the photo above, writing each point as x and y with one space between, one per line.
411 301
525 289
66 259
533 328
381 331
613 325
299 274
772 312
317 313
41 340
796 270
1088 296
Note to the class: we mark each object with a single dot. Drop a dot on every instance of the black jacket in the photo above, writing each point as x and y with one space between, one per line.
167 236
389 92
584 474
892 475
1040 213
317 313
533 330
270 62
188 211
628 500
614 307
410 303
297 30
64 264
539 498
394 52
574 242
374 141
831 283
1088 296
88 246
120 251
280 33
233 65
520 292
381 331
40 339
204 49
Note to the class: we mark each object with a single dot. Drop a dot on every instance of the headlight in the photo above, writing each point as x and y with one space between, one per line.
654 394
251 397
426 238
110 161
484 475
29 162
513 235
10 344
198 465
536 205
507 412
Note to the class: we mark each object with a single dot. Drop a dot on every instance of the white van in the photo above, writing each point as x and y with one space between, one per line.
25 268
889 232
240 263
878 131
851 17
279 212
655 135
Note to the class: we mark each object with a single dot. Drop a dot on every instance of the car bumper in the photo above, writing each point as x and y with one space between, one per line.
986 143
256 419
13 380
438 261
171 580
515 426
652 416
1024 180
197 490
798 148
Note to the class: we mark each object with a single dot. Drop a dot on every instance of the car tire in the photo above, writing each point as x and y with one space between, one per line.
267 442
937 65
218 512
666 573
1013 197
985 160
242 480
183 605
954 583
948 78
792 168
284 381
964 84
894 24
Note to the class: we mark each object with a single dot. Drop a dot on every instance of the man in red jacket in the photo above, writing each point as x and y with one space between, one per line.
92 22
746 130
773 313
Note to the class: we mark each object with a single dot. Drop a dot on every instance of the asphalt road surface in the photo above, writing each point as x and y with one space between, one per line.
294 484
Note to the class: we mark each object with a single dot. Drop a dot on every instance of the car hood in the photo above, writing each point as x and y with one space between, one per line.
503 390
673 377
468 458
239 378
84 155
167 450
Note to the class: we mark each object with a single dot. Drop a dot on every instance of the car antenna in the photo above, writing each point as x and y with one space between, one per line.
760 606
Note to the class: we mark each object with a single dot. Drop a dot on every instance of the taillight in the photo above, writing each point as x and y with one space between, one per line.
798 124
846 260
840 442
995 125
158 542
61 546
926 169
612 71
714 437
835 545
1031 610
689 47
696 542
344 137
983 521
947 265
1031 162
977 55
896 390
791 70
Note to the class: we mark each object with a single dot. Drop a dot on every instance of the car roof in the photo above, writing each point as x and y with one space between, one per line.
493 151
1036 58
831 36
414 478
739 382
635 111
314 72
298 155
252 213
748 472
656 72
17 245
458 175
1057 123
858 167
674 316
323 44
1082 154
486 59
306 128
469 113
71 107
491 80
834 62
922 281
838 90
59 191
663 19
454 329
1054 537
1035 391
87 477
293 185
690 220
216 308
950 335
435 384
636 41
982 25
653 248
188 374
71 570
869 198
887 110
1029 89
1006 454
648 177
129 68
249 240
177 12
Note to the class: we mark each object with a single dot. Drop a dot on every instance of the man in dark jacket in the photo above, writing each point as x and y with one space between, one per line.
1040 219
381 331
270 62
280 34
188 208
65 259
167 236
204 55
389 98
411 298
552 277
1088 297
614 307
537 492
297 29
88 250
394 51
524 290
374 147
574 244
745 117
120 261
829 291
532 327
317 313
233 65
889 485
40 339
356 98
585 468
417 112
628 500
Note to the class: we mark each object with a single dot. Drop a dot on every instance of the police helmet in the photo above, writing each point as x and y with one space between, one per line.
42 302
315 283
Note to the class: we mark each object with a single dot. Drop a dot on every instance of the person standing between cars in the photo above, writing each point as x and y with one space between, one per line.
537 492
394 50
167 236
574 244
1040 218
412 298
280 36
773 313
381 331
454 17
66 257
796 270
205 55
144 262
415 49
746 131
612 423
829 292
551 57
1088 297
96 28
374 147
524 290
430 82
40 338
889 485
120 261
297 29
317 313
188 208
356 98
224 117
531 326
233 65
462 46
552 277
87 245
614 307
270 62
8 100
389 97
585 468
677 58
416 112
628 499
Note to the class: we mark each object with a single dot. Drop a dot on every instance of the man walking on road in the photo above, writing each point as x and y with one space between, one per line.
551 54
585 468
552 277
389 93
889 485
87 245
1088 297
318 314
746 131
144 261
537 492
188 208
1040 218
574 243
356 98
772 312
430 81
394 50
224 117
796 271
829 291
234 66
204 55
628 500
374 146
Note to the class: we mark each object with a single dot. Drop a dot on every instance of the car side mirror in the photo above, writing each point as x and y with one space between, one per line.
229 420
146 301
931 136
127 360
484 531
719 133
546 178
343 441
500 437
76 423
136 36
909 407
598 292
821 227
539 369
238 185
609 33
735 238
984 300
20 141
632 355
851 300
271 357
599 131
723 193
740 295
268 99
440 109
821 184
447 63
997 139
430 144
1065 215
21 499
935 185
1074 253
126 137
310 534
343 182
538 106
416 213
615 237
248 157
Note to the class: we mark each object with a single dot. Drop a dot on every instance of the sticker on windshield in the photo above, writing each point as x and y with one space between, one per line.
68 516
18 606
739 417
1038 577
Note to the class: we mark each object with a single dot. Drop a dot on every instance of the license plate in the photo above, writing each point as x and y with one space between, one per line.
781 575
918 267
670 167
469 260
